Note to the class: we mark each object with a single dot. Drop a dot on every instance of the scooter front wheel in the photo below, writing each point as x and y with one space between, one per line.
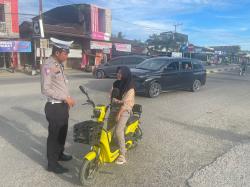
88 171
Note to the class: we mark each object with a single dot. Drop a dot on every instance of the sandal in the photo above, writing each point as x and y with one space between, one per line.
120 160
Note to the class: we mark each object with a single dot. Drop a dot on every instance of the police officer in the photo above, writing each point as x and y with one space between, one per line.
54 86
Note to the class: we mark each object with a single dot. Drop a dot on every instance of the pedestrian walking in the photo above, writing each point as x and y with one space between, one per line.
54 86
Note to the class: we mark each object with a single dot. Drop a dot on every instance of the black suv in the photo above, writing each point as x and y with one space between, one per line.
109 69
165 73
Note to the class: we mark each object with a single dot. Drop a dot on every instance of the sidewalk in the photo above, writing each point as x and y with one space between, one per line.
230 169
4 73
221 68
209 69
17 74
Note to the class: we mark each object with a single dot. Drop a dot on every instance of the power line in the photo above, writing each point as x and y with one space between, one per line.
153 29
140 25
176 25
22 14
117 19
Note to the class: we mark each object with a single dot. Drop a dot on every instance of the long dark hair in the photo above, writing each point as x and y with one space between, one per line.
126 83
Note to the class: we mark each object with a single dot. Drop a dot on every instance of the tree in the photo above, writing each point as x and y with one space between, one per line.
168 40
120 35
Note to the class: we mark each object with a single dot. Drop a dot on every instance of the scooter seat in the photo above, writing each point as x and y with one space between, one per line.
132 119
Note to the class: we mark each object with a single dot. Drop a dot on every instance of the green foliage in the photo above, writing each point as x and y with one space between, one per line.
168 40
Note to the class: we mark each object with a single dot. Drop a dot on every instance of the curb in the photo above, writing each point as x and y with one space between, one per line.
220 70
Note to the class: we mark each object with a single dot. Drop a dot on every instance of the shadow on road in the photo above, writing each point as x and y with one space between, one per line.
212 132
34 147
35 116
20 137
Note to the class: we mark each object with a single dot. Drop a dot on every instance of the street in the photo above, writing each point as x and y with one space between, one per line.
184 133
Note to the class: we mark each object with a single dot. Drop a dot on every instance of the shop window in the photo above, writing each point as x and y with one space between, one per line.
101 22
2 16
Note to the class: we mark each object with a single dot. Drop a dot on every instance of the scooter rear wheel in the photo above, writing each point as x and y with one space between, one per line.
138 133
136 137
88 171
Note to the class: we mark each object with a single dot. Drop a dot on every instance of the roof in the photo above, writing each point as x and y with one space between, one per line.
63 30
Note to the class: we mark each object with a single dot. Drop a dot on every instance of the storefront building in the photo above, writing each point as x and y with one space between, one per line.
88 26
9 33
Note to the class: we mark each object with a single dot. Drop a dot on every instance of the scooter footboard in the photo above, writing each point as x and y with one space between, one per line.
132 127
90 156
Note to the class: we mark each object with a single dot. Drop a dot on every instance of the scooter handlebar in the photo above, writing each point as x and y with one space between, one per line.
86 93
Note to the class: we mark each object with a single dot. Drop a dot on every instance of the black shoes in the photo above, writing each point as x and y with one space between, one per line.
65 157
57 168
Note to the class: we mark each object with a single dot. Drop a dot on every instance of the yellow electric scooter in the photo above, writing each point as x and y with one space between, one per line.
99 134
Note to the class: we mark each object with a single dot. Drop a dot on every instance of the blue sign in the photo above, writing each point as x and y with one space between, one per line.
15 46
184 48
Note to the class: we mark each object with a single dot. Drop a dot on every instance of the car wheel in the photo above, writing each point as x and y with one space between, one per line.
154 90
99 74
196 86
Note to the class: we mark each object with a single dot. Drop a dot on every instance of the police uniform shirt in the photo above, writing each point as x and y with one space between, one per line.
54 84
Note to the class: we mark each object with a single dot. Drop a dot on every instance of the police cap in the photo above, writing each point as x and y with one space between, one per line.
64 45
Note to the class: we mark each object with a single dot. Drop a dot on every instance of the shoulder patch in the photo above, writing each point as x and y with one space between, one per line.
47 70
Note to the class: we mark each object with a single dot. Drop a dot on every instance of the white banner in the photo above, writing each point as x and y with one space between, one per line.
123 47
73 53
100 45
176 54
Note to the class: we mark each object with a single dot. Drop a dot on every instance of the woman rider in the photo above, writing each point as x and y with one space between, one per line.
126 99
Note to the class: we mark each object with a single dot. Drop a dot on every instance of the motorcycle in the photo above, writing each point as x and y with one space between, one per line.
242 71
98 133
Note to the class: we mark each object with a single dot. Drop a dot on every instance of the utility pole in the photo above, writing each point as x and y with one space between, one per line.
42 51
37 41
176 25
40 8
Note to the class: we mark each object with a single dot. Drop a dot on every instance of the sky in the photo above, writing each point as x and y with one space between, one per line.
206 22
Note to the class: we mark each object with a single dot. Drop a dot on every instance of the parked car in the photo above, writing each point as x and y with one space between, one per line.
159 74
109 69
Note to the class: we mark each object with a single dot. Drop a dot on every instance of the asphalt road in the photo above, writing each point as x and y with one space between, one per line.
189 138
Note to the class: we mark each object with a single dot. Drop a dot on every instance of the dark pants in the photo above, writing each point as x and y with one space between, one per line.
57 115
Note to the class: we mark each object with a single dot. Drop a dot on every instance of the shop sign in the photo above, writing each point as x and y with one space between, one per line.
38 30
100 36
176 54
198 50
123 47
100 45
15 46
44 43
190 48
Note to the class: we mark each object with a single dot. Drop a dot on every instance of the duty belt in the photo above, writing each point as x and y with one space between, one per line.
53 101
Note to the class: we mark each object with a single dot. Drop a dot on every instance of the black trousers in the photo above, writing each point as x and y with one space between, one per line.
57 115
